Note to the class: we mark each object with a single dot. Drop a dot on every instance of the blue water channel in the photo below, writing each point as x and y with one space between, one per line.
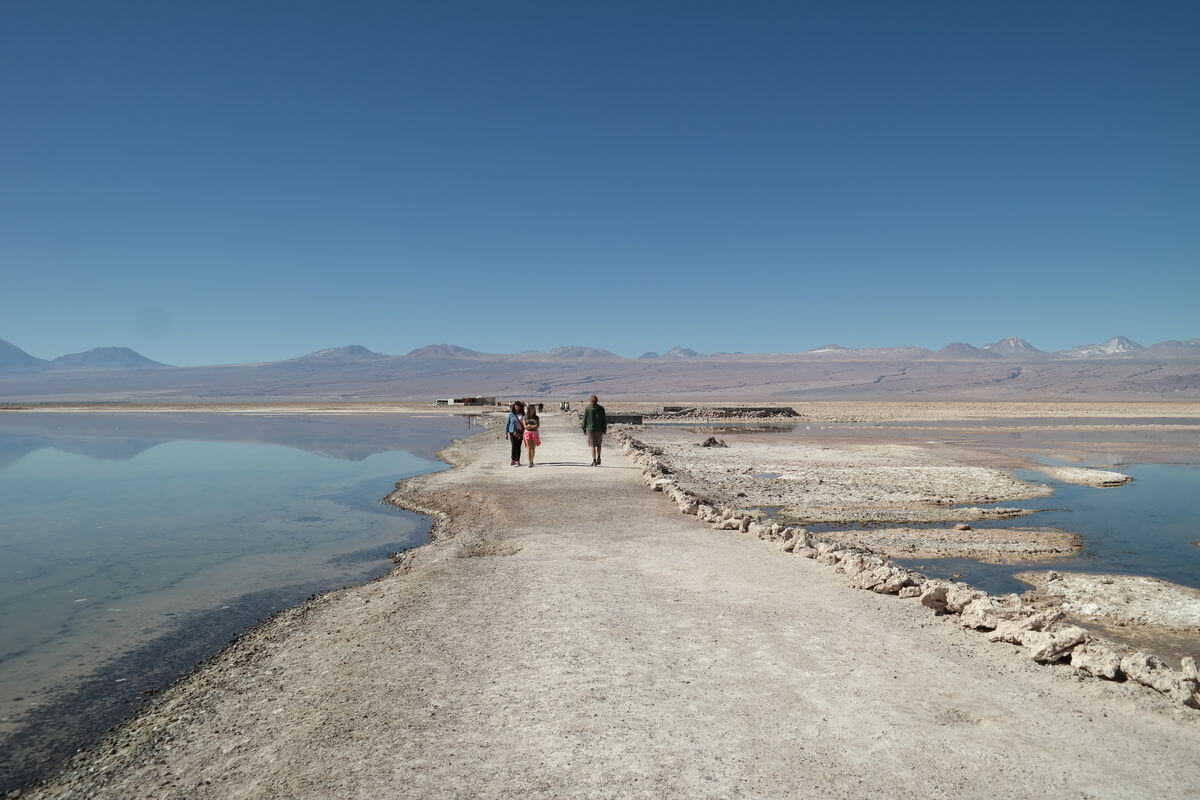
1147 527
136 545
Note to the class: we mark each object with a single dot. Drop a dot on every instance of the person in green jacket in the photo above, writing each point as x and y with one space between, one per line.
595 424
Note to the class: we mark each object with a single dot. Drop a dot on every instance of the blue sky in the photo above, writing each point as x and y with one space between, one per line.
227 182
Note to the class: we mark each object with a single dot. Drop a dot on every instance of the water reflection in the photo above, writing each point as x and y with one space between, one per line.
123 531
1143 528
122 436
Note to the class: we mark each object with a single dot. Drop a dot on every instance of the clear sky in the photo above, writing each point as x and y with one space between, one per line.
220 181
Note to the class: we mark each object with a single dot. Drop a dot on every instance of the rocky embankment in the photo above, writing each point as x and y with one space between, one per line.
1039 627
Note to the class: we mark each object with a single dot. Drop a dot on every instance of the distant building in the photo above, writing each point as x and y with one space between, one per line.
479 400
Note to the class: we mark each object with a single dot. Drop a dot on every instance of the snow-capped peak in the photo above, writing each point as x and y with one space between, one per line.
1114 346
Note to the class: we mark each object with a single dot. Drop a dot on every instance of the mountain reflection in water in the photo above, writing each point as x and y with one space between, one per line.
138 544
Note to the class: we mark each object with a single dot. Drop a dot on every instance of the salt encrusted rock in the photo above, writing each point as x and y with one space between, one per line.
870 578
934 596
804 550
1047 647
733 524
745 524
661 483
962 526
980 614
785 537
758 530
884 579
689 506
853 562
705 512
1187 666
909 591
829 556
960 595
985 613
1012 630
901 579
1150 670
1093 658
777 529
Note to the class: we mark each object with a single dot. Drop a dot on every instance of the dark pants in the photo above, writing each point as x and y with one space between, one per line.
516 446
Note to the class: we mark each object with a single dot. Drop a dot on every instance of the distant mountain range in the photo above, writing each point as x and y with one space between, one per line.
14 359
674 352
1009 368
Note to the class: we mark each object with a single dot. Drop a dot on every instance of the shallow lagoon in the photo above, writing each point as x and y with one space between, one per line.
137 545
1147 527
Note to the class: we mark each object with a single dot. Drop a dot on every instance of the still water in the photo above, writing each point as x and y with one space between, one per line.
136 545
1147 527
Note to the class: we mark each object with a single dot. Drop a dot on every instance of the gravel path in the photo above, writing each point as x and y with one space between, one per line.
570 634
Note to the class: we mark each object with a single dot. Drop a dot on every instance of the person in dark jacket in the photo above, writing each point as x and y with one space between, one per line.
514 431
595 425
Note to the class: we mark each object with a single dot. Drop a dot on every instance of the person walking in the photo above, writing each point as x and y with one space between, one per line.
515 430
532 438
595 425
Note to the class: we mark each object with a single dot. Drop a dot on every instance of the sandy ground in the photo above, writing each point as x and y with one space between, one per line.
863 482
991 545
570 634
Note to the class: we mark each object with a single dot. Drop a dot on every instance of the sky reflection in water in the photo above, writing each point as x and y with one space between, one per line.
116 527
